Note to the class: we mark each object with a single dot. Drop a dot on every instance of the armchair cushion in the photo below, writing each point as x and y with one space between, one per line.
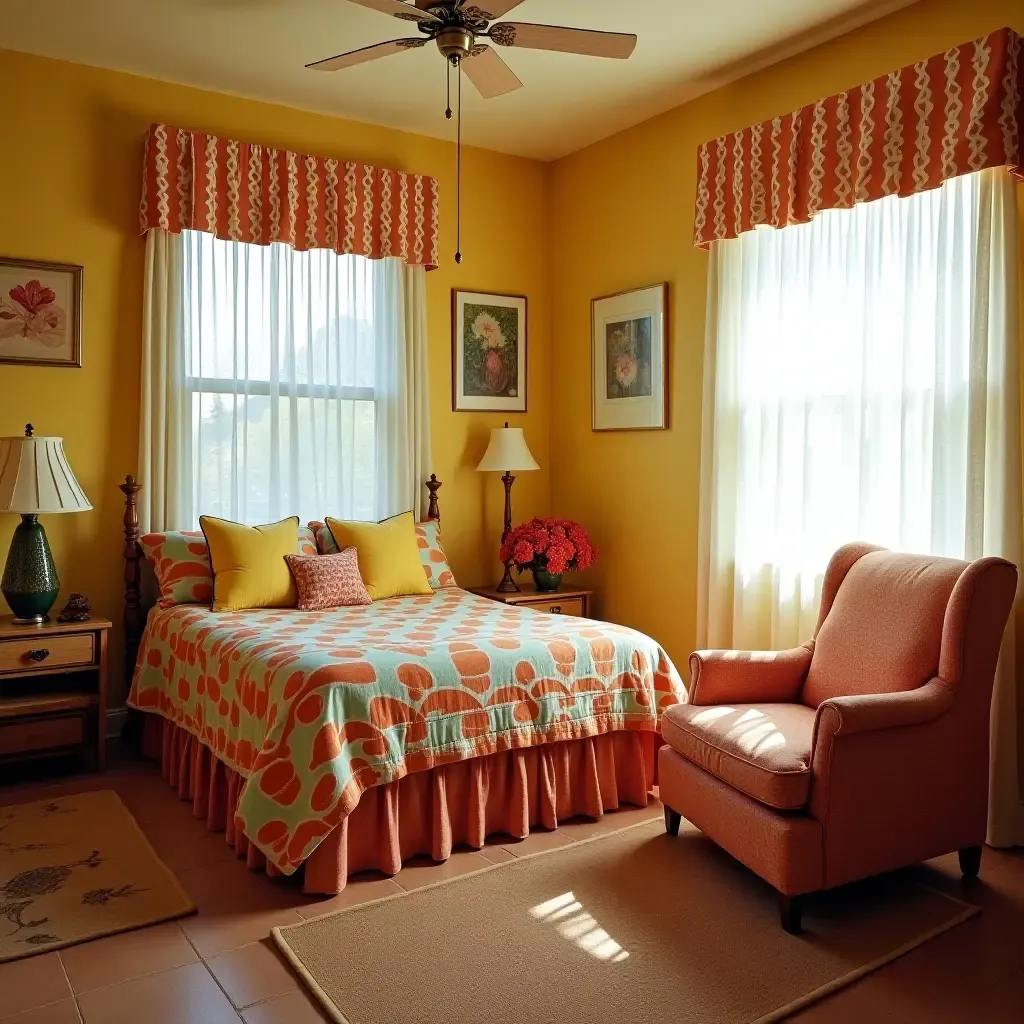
744 677
763 750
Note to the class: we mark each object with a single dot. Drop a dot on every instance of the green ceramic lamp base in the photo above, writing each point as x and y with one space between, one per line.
30 583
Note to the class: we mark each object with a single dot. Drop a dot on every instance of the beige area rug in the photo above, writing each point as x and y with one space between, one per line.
75 868
631 926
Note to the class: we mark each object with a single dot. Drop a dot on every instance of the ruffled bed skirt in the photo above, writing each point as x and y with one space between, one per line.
426 812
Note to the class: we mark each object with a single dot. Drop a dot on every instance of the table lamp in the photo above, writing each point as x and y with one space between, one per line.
35 478
507 451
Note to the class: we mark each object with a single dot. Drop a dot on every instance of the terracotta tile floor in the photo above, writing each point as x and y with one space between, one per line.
220 965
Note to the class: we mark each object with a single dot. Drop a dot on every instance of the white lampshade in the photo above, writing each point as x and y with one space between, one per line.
507 451
35 477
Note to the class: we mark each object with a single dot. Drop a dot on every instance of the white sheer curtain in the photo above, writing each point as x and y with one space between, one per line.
280 383
862 382
164 416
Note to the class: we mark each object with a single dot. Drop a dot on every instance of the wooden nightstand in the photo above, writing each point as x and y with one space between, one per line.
561 602
53 689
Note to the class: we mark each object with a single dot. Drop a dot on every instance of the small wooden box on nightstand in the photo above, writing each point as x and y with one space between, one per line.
561 602
53 689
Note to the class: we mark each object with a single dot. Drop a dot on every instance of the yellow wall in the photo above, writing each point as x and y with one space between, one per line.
616 215
70 162
622 217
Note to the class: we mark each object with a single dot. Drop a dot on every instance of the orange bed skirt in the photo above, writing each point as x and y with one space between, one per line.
427 812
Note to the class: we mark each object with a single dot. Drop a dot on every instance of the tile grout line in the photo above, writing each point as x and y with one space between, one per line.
216 980
71 988
237 1012
251 942
33 1009
124 981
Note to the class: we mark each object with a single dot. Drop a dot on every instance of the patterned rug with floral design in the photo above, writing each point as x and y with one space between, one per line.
75 868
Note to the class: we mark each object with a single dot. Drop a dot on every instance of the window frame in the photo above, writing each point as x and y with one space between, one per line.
286 389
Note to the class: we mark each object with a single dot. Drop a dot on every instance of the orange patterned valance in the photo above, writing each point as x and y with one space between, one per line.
905 132
243 192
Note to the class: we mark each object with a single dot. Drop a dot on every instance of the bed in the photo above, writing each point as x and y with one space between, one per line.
336 741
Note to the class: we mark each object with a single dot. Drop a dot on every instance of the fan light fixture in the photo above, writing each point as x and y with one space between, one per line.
456 27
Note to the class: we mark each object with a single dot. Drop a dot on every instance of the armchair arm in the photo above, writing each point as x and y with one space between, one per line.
894 780
748 677
841 716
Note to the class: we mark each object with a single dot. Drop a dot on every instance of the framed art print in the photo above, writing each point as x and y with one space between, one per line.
40 313
630 360
488 352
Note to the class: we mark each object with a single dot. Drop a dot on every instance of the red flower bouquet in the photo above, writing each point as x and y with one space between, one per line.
549 547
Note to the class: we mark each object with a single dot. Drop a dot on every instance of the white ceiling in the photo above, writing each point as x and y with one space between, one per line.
257 48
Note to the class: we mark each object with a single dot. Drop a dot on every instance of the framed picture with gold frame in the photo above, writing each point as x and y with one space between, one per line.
629 360
40 313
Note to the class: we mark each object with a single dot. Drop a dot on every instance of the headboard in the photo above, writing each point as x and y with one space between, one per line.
140 597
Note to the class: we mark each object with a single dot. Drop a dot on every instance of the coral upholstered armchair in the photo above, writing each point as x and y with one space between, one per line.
863 750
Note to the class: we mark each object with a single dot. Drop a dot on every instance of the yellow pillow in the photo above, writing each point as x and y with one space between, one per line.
389 557
249 570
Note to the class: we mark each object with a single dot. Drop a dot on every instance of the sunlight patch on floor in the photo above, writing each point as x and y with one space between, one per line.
572 922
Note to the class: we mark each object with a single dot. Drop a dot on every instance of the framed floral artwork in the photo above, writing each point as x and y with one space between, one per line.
488 352
40 313
630 360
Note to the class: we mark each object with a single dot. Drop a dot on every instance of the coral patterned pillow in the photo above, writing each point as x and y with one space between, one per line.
428 541
435 561
324 539
307 542
328 581
181 561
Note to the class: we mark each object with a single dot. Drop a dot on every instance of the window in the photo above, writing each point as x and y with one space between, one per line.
859 394
280 351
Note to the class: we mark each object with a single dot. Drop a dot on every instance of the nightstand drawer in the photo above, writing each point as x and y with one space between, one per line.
559 606
27 736
47 652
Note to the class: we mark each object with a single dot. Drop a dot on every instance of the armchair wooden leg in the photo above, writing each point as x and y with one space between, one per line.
791 909
970 862
672 820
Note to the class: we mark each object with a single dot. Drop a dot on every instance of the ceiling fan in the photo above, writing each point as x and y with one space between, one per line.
456 26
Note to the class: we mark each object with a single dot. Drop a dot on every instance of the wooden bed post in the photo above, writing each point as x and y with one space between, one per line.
132 577
433 485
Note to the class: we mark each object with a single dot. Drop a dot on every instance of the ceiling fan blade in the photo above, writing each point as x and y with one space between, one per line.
397 8
347 60
489 73
487 9
565 40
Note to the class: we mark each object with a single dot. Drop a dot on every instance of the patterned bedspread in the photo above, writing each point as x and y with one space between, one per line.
314 708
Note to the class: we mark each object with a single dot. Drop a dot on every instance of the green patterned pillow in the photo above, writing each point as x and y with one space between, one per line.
435 561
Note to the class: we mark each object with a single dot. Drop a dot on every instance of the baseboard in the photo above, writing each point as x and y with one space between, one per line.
115 722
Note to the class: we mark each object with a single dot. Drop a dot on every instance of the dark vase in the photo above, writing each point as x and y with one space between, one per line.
545 581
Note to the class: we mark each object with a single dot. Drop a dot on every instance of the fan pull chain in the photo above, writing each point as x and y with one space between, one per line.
458 175
448 84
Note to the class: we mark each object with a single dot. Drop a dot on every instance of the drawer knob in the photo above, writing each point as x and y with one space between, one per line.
556 609
40 654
